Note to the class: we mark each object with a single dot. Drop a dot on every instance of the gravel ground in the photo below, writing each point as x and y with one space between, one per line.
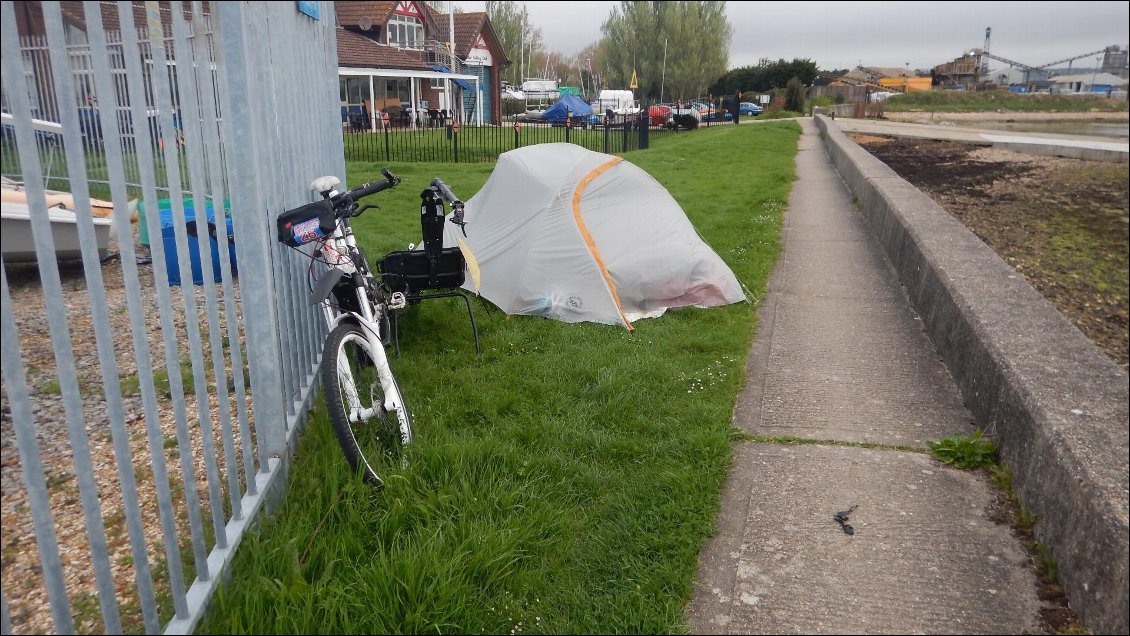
22 575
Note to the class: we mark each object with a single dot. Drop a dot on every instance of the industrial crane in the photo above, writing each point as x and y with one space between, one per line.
1026 67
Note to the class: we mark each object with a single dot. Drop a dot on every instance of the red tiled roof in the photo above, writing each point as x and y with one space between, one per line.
354 49
350 13
467 28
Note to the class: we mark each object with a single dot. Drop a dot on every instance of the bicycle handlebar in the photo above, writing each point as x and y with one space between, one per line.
449 196
445 191
374 187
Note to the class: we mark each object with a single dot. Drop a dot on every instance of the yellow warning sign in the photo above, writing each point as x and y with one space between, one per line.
635 83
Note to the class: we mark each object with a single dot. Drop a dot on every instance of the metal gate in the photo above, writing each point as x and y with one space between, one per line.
146 424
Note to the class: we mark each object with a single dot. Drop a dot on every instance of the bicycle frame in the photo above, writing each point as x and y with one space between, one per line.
344 262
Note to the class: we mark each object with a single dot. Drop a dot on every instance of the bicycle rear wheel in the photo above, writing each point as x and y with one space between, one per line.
371 436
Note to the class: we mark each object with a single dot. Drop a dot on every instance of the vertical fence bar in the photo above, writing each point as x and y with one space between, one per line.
56 308
173 113
104 86
168 130
645 126
5 619
292 143
132 53
306 103
249 222
24 424
279 145
193 138
216 180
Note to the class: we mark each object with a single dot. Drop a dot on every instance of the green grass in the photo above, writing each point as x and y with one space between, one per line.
961 101
53 163
965 451
131 384
777 114
564 480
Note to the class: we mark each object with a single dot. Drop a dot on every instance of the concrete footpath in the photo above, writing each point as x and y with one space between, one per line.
840 357
1055 144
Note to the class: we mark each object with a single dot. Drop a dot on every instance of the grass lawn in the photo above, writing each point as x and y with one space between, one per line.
563 481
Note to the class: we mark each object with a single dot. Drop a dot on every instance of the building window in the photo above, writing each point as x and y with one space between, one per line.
399 89
406 32
438 82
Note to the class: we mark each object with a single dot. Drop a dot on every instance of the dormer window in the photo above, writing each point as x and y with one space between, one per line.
406 31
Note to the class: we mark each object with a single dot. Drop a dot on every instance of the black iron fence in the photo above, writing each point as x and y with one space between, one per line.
438 139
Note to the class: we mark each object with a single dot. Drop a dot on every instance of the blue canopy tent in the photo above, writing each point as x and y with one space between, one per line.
559 111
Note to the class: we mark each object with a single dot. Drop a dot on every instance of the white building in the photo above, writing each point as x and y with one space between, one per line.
1092 82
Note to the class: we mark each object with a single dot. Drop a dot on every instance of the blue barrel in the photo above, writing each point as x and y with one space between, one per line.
168 238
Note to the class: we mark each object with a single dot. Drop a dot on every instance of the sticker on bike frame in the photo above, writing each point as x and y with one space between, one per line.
307 231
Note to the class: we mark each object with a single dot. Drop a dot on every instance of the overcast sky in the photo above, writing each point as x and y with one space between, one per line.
888 34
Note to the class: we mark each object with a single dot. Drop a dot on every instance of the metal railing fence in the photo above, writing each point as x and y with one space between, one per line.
430 139
145 426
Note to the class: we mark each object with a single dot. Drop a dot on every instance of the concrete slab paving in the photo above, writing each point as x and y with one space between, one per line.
853 372
840 357
926 556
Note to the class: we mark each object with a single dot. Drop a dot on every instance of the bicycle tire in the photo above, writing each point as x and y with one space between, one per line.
370 443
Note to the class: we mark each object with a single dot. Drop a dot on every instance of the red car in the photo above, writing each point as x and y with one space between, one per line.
659 115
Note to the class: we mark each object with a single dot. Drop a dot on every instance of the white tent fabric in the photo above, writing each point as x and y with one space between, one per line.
576 235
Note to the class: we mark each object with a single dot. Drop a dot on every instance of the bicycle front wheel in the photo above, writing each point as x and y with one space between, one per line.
372 425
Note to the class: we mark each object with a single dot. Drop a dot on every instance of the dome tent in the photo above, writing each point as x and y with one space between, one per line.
576 235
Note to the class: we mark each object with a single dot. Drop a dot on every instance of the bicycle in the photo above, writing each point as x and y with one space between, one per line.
360 389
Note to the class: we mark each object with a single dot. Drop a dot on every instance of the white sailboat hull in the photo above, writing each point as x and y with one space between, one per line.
18 245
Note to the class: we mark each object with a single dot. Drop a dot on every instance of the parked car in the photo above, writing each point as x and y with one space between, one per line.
749 108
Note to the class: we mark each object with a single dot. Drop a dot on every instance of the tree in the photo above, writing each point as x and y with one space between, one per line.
766 76
521 41
794 95
697 37
588 61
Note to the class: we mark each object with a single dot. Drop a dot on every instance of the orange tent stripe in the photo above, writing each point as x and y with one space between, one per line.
577 192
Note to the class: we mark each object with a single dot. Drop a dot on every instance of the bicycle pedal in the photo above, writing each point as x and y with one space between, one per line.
397 301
